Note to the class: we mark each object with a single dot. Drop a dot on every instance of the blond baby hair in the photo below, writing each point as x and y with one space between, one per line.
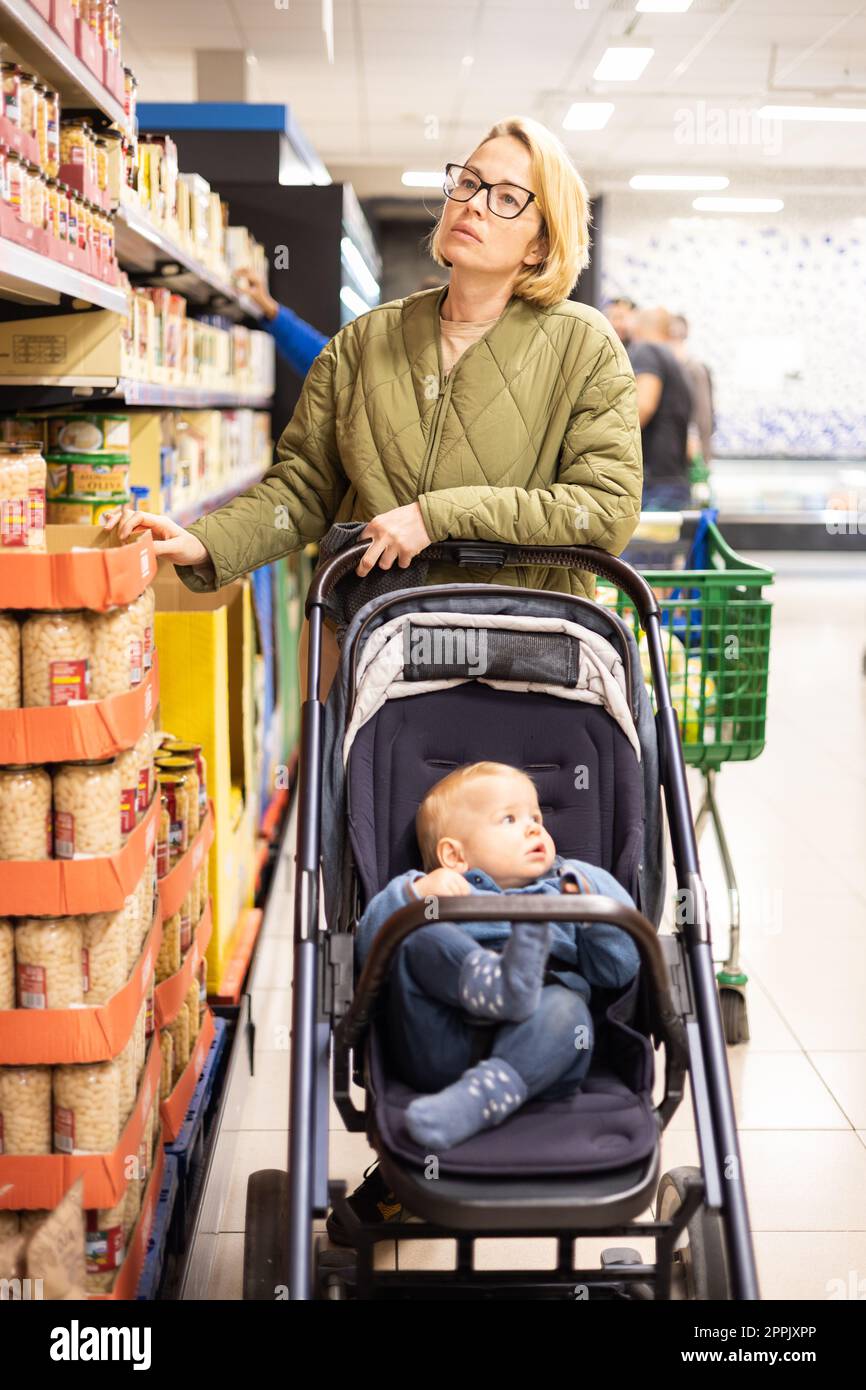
431 820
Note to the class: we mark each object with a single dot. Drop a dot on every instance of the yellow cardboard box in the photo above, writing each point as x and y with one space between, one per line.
206 650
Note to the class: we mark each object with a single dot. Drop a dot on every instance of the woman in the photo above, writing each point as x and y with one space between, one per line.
492 408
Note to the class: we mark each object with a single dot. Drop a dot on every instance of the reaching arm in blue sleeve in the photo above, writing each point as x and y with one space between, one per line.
607 955
298 341
394 895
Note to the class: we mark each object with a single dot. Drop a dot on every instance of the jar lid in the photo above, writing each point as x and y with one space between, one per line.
170 779
22 445
176 762
177 745
90 762
20 767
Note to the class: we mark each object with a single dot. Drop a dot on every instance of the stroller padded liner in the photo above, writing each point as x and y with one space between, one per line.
412 743
409 745
607 1124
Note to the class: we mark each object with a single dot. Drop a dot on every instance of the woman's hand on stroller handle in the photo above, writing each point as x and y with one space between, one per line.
396 535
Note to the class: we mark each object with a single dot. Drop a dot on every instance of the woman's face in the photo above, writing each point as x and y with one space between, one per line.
498 246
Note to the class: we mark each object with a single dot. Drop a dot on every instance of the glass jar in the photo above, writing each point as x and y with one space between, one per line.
52 208
118 651
62 211
128 768
175 788
73 143
25 209
186 925
166 1074
37 198
101 164
163 832
4 172
7 965
25 812
52 132
11 92
49 959
25 1109
37 477
40 111
86 1107
87 809
10 661
105 939
27 89
186 767
56 658
14 503
130 97
141 611
179 1031
177 748
144 751
72 219
168 962
14 175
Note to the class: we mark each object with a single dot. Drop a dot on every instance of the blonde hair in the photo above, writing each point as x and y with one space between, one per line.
432 815
563 202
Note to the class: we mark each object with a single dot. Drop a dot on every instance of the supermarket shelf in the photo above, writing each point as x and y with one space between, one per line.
143 249
191 397
27 276
33 39
185 515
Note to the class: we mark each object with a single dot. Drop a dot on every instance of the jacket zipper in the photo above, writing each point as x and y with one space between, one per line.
428 462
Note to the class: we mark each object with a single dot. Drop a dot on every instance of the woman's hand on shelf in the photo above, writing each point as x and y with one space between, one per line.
396 535
170 541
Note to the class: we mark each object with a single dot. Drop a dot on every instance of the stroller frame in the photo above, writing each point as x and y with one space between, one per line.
710 1203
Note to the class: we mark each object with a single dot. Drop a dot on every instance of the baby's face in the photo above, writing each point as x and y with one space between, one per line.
497 827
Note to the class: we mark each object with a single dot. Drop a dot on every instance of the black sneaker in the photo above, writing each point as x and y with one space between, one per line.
371 1202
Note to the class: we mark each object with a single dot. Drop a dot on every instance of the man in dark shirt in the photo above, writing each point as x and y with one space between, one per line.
665 407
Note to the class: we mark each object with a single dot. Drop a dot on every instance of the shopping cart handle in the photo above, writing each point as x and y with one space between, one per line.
578 557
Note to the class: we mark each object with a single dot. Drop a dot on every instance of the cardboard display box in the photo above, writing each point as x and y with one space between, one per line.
206 648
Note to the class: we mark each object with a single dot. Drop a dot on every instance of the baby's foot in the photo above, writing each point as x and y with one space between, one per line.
484 1096
507 987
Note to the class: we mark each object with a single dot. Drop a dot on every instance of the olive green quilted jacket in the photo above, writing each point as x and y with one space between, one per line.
532 438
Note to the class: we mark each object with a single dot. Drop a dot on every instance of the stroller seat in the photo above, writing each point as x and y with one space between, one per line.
551 1157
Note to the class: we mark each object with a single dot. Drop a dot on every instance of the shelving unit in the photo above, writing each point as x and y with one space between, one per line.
34 40
27 277
143 249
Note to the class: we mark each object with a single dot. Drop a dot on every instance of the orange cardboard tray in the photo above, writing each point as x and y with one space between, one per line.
97 574
126 1283
170 994
64 887
31 1037
68 733
175 885
232 982
31 1181
173 1109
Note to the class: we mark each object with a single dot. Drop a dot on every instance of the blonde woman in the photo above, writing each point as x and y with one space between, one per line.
491 408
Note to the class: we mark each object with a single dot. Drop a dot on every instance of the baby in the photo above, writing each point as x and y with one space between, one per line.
480 830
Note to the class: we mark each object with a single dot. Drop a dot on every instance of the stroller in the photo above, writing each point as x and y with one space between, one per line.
559 689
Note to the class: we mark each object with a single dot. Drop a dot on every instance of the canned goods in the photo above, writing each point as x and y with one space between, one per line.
177 748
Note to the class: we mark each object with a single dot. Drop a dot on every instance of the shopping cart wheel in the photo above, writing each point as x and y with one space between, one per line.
266 1236
700 1268
336 1275
735 1014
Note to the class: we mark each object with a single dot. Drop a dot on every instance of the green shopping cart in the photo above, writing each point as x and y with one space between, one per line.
716 632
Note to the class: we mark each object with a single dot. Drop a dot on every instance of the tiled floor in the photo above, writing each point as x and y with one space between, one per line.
796 820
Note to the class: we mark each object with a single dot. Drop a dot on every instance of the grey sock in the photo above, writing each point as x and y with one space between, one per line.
484 1096
507 987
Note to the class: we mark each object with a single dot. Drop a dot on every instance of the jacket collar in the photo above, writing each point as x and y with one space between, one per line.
485 884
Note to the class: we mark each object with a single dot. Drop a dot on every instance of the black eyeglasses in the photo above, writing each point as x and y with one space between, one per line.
503 199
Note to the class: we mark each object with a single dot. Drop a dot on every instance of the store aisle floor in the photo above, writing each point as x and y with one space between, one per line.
796 820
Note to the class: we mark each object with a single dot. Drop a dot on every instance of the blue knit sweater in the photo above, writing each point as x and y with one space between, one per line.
298 341
601 954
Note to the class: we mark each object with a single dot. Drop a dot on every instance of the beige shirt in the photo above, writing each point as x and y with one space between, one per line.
457 337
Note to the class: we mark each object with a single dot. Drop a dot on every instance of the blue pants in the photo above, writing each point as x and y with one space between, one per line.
431 1038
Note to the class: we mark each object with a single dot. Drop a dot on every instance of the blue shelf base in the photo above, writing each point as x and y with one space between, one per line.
183 1146
151 1274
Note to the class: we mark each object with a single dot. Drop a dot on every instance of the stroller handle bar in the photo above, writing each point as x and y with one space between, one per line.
499 554
490 907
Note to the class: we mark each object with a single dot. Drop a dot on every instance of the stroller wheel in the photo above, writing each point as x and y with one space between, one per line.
735 1017
700 1269
266 1231
335 1271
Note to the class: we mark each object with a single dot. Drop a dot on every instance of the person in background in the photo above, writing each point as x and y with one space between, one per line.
701 386
298 341
665 408
621 314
